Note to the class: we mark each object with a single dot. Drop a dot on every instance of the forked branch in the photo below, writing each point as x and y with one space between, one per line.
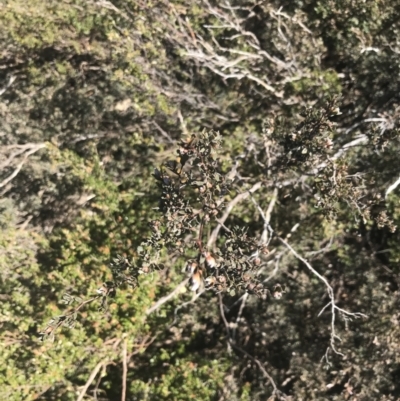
332 303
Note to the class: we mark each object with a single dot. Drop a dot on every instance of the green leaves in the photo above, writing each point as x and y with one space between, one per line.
299 101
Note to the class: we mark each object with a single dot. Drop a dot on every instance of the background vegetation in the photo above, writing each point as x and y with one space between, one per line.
305 96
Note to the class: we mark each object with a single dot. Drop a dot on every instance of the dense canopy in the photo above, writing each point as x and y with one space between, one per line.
199 200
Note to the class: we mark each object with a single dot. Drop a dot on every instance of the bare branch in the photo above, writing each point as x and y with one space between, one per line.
19 167
356 142
231 343
392 187
332 302
264 236
228 210
178 308
90 379
124 369
9 83
242 305
276 269
367 120
165 299
225 62
163 133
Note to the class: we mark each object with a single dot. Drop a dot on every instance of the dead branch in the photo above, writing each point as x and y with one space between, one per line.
264 237
178 308
9 83
332 302
232 344
124 369
165 299
239 315
230 63
228 210
392 187
34 149
91 378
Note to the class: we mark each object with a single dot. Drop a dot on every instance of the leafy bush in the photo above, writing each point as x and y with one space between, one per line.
244 150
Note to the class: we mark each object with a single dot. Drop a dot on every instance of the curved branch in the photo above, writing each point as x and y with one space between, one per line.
19 167
228 210
91 378
165 299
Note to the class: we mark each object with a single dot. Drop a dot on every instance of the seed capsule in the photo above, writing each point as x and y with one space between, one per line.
191 267
210 260
257 261
196 281
210 281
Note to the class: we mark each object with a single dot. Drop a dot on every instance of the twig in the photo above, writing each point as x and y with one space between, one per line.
143 345
263 370
21 149
356 142
59 321
222 312
178 308
325 249
232 344
96 387
228 210
124 369
331 295
329 288
165 134
10 82
91 378
223 61
367 120
182 121
165 299
264 236
235 303
18 169
392 187
276 268
242 305
200 237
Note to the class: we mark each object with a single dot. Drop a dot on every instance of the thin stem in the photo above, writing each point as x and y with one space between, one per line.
124 369
165 299
90 379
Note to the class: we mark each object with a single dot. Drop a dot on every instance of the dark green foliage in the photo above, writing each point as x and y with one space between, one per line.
145 145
